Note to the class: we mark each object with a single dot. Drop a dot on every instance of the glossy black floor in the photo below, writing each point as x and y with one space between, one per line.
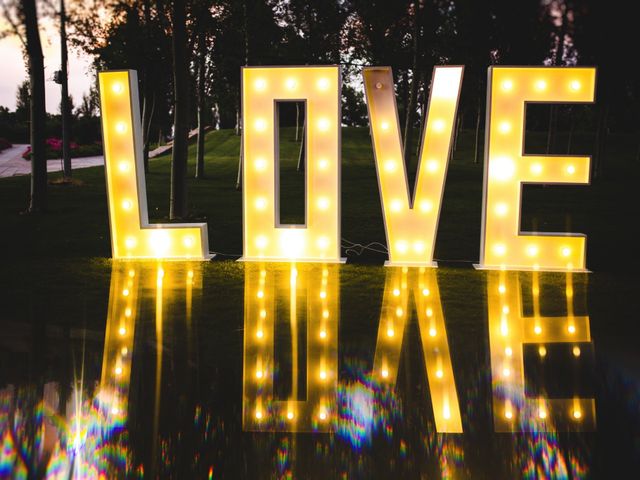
231 370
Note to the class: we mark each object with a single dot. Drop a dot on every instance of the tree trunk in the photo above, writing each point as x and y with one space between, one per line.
38 200
65 107
147 112
410 114
238 129
410 119
240 160
147 115
301 156
178 205
297 119
241 152
201 106
457 131
423 118
477 139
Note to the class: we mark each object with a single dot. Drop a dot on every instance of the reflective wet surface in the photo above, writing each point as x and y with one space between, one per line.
247 370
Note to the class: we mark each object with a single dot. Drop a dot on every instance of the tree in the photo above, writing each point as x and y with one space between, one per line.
66 108
109 39
35 60
23 97
178 200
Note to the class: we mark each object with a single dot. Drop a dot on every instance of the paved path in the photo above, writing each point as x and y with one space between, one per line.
12 163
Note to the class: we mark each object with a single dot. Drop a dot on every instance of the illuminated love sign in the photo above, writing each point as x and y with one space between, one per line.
410 223
132 237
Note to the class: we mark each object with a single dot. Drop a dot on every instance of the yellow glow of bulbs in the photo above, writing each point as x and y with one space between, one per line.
265 238
132 237
411 221
507 168
507 353
435 348
289 283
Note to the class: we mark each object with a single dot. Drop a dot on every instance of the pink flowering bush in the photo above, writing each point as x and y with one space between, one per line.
53 149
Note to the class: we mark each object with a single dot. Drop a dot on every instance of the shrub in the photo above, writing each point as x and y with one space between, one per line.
4 144
54 149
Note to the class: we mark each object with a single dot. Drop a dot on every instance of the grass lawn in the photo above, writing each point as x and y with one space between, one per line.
76 224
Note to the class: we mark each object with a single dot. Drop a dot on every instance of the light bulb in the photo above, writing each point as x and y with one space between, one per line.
501 209
117 88
189 242
323 124
260 125
426 206
260 84
396 205
260 164
323 83
507 85
390 165
499 249
323 203
261 203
